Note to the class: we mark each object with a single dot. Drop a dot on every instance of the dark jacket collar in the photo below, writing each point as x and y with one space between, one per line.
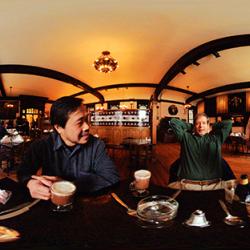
58 142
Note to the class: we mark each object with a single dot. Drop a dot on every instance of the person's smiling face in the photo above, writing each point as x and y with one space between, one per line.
76 130
201 126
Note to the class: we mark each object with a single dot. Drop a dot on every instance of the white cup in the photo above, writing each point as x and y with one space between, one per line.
198 219
142 178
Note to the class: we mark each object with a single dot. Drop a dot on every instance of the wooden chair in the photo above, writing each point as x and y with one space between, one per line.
113 150
6 158
140 155
238 144
248 145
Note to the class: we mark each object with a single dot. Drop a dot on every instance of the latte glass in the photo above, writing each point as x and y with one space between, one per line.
229 187
142 178
62 194
139 186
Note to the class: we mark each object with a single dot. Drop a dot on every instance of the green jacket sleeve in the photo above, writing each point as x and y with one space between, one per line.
180 127
222 129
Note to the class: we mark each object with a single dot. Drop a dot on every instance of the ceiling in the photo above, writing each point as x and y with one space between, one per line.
147 37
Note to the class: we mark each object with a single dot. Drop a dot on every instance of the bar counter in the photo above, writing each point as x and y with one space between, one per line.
99 222
116 134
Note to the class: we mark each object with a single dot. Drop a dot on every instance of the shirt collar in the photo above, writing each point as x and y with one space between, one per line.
58 142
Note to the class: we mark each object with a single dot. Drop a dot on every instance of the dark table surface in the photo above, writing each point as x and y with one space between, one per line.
99 222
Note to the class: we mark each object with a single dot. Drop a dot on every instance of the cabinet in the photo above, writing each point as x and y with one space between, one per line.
127 118
32 108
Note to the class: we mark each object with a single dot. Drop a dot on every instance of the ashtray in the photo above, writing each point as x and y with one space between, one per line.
157 210
197 219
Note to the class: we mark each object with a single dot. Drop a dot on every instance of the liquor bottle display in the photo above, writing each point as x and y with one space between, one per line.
243 188
130 118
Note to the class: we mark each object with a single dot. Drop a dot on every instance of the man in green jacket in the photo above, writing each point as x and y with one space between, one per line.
200 162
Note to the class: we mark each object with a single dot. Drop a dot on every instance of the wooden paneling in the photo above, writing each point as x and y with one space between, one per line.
248 101
116 134
222 104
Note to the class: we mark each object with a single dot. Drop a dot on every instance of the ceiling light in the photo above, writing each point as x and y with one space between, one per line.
9 105
123 106
105 63
187 105
216 54
196 63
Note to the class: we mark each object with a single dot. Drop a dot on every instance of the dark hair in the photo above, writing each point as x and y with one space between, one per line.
199 115
62 108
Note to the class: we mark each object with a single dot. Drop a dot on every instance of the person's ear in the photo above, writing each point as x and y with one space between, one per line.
58 128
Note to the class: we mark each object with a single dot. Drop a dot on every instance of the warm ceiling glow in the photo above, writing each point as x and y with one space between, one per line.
105 63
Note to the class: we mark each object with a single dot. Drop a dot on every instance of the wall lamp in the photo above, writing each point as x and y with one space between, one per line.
196 63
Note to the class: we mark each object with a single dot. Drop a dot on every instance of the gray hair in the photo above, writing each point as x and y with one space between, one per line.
199 115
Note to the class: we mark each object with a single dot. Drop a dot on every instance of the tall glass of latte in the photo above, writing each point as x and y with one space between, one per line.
62 194
142 178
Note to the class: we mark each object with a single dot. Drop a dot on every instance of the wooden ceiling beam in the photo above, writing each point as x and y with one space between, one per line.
211 47
228 87
53 74
135 85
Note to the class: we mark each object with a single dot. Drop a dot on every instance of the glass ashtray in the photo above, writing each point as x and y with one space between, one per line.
157 210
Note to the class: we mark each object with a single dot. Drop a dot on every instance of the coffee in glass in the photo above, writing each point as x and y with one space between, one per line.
140 185
62 193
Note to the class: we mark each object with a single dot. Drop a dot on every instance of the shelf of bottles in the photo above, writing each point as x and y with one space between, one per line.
128 118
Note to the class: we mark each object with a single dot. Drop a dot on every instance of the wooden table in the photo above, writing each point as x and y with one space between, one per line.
99 222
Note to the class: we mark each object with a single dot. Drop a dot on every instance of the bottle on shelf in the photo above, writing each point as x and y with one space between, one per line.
243 188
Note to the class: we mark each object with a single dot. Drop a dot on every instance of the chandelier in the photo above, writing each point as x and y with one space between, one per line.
105 63
9 105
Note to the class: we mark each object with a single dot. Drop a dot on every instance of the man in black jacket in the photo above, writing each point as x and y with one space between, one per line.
69 153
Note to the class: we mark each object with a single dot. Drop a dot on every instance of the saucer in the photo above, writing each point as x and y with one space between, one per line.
137 193
190 224
8 234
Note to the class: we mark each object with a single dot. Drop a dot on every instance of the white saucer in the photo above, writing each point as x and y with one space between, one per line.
190 224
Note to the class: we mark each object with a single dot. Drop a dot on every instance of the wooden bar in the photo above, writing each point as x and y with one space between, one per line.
116 134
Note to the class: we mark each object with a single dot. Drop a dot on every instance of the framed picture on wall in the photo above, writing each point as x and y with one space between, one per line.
172 110
236 103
